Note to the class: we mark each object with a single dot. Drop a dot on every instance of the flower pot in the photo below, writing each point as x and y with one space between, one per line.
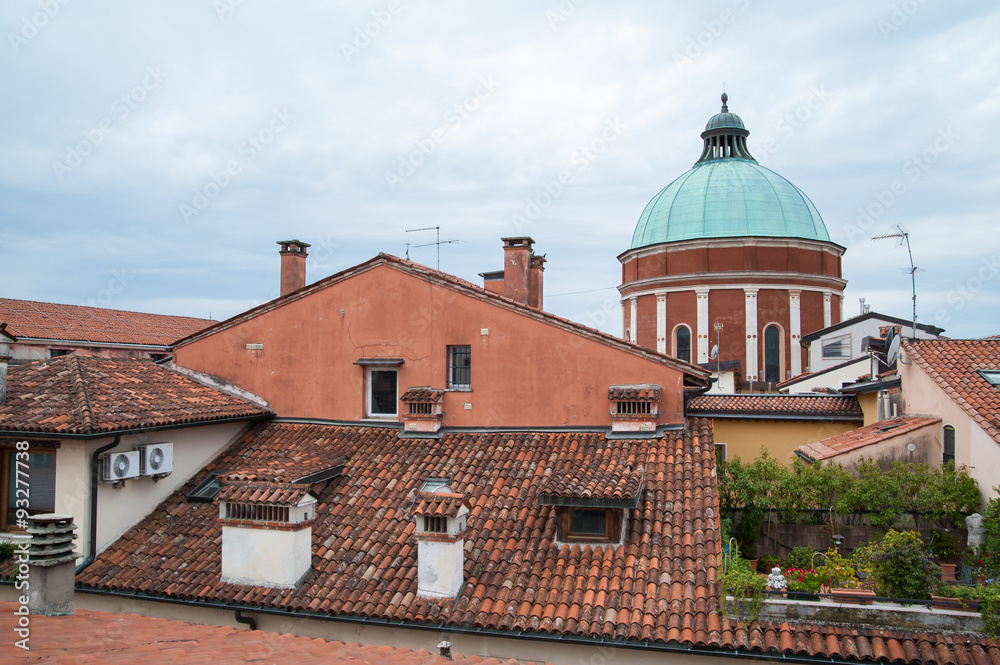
948 571
946 603
853 596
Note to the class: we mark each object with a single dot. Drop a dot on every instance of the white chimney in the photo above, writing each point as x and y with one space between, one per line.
6 339
440 516
266 533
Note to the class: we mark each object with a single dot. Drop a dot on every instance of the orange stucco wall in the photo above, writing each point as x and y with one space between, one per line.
525 372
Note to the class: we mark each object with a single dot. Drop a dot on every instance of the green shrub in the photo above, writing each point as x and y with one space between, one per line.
748 531
745 586
903 567
7 549
942 544
801 558
989 551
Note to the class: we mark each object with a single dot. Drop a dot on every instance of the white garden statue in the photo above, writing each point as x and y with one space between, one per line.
974 523
776 581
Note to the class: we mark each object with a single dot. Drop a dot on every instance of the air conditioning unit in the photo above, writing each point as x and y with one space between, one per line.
156 458
120 466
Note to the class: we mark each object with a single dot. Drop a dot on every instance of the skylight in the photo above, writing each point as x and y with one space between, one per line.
991 375
207 489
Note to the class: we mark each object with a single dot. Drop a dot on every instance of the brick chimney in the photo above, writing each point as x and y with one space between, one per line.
535 281
517 268
293 265
6 339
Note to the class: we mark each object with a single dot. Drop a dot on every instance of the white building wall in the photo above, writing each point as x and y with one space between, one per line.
119 508
858 331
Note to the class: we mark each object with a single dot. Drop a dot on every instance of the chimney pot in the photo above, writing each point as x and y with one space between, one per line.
293 265
517 268
51 564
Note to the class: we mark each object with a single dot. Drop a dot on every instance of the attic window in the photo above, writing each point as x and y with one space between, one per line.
206 489
991 375
591 525
421 408
837 347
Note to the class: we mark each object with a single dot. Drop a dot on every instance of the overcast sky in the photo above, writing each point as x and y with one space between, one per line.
154 153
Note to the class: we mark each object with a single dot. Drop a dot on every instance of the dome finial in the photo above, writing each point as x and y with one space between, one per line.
725 99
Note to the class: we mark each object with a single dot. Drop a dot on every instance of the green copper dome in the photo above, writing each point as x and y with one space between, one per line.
728 195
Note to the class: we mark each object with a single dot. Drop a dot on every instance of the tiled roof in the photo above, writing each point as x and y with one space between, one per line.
422 394
863 436
603 476
275 494
517 576
90 636
461 286
79 323
446 504
79 395
659 585
954 364
644 391
844 407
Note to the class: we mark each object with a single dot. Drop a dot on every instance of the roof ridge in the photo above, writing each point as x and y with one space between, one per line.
449 281
82 394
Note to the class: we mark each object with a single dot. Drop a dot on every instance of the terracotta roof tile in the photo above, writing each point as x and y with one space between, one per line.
277 494
422 394
90 636
640 391
864 436
844 407
659 585
89 395
605 476
445 504
954 364
511 556
79 323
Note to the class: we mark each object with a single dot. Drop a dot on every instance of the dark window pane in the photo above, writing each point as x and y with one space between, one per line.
41 484
949 444
772 354
383 393
684 343
459 366
588 522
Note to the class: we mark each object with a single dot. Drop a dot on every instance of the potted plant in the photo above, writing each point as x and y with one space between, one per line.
803 584
745 586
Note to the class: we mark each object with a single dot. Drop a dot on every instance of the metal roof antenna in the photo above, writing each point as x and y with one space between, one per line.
438 242
904 236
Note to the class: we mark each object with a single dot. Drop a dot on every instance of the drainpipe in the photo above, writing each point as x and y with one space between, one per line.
95 471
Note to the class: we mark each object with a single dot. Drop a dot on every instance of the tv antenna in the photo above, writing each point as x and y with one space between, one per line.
438 242
903 236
